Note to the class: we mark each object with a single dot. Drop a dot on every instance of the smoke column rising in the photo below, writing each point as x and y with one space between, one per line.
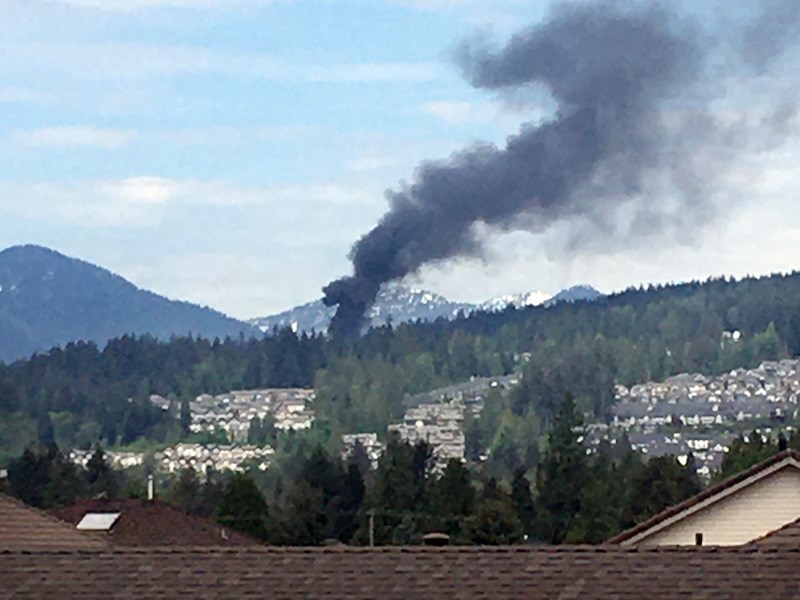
611 70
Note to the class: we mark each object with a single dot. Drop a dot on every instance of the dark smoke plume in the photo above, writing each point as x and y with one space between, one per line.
612 70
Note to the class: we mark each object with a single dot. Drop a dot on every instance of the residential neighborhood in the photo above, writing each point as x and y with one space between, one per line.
701 414
233 413
200 457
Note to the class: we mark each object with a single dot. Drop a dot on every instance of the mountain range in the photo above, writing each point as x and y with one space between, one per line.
397 303
48 299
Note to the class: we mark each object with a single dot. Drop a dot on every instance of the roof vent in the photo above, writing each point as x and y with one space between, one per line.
98 521
436 539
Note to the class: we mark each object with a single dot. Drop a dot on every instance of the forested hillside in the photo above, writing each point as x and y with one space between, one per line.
81 393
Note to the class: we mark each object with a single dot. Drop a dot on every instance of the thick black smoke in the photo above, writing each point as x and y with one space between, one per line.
612 71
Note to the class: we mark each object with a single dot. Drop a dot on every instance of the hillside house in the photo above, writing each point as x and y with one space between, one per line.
740 510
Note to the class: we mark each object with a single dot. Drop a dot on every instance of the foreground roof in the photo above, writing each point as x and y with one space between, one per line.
153 523
26 528
786 458
788 535
750 572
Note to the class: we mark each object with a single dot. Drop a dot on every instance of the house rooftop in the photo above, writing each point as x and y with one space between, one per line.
417 572
711 494
150 523
25 528
788 535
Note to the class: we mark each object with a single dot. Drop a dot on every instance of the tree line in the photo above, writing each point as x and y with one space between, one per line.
82 394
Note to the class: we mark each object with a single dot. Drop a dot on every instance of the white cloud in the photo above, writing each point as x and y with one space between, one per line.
69 137
374 72
230 135
134 60
9 94
134 5
73 137
143 201
457 112
455 4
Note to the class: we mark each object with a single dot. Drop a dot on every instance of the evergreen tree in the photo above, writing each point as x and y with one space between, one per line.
743 454
661 483
349 503
495 521
452 498
398 488
45 479
185 416
522 498
186 492
561 475
603 501
243 508
103 481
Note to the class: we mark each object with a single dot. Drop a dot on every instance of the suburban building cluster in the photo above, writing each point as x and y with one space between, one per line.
471 393
441 426
203 458
200 457
233 413
703 414
437 418
119 460
369 442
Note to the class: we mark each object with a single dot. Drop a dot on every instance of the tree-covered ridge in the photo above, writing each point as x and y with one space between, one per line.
47 298
81 393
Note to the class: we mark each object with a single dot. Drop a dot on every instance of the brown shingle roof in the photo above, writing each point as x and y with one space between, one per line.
448 573
25 528
707 494
788 535
154 523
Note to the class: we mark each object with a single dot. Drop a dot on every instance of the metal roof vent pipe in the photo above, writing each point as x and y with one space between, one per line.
150 487
436 539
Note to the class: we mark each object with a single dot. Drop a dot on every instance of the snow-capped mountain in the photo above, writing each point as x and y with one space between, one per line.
515 300
397 303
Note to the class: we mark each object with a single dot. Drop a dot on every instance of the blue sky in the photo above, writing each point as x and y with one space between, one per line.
229 152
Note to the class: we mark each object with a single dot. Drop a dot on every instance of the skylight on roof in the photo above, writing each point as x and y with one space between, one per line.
98 521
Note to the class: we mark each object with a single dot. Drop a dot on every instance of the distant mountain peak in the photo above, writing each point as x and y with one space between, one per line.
576 293
400 303
48 299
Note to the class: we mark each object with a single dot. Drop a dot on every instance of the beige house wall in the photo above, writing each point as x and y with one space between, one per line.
738 518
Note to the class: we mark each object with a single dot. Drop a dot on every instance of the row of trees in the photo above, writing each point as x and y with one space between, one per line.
574 498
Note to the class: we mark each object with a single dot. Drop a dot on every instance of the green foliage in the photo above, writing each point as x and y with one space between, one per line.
451 498
45 479
17 432
243 508
186 492
561 476
743 454
495 523
661 483
102 479
522 499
